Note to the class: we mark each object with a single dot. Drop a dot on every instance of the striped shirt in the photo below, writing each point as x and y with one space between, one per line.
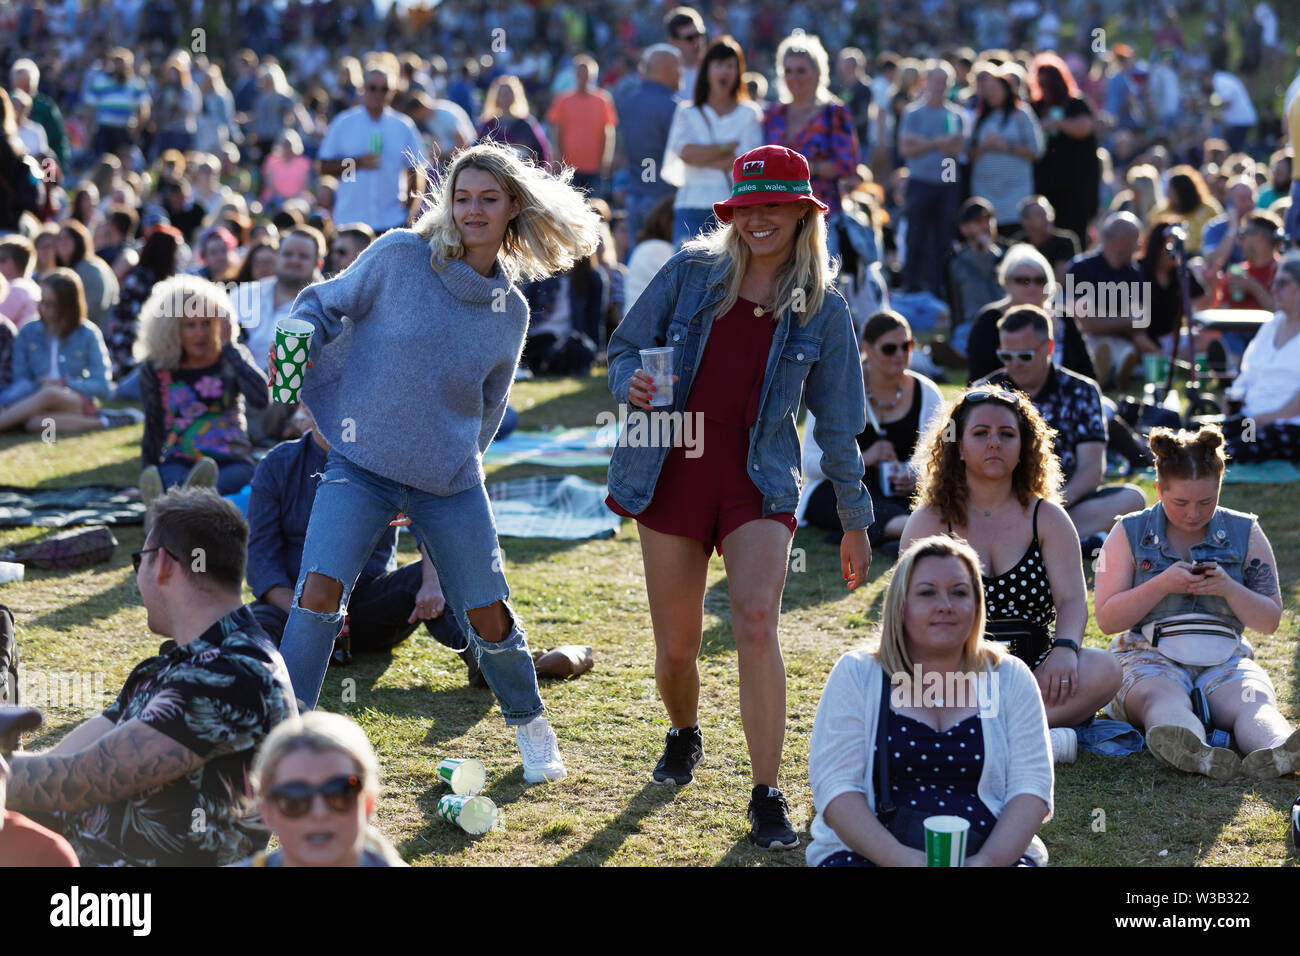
117 104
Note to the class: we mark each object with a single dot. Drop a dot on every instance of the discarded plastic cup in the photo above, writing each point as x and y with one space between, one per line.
466 777
474 815
658 364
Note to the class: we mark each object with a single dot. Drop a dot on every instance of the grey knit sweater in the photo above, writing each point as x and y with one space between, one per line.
417 387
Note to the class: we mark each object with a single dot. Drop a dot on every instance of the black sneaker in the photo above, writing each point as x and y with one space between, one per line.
769 819
683 751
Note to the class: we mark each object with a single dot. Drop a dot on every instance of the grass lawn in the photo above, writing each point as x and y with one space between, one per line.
417 709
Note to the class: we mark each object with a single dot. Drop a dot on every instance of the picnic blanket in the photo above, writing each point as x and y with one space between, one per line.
551 506
559 448
1261 473
64 507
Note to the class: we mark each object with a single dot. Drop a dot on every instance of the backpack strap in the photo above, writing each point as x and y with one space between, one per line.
885 808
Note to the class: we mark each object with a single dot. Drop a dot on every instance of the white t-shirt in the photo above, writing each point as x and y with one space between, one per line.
376 197
255 310
699 187
1268 380
1237 108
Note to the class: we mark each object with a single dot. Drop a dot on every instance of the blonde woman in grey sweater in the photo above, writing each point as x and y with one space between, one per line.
417 344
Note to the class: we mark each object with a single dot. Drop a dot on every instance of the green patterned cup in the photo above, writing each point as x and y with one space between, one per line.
292 342
465 777
474 815
945 841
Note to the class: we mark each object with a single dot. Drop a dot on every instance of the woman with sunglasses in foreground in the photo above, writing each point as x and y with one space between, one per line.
751 313
328 756
967 739
900 404
1027 277
992 478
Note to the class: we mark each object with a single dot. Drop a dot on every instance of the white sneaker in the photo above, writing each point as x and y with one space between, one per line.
1065 745
541 753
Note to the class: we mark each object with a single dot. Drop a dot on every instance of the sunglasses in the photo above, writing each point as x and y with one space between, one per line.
294 799
995 394
1005 356
1030 280
889 348
137 557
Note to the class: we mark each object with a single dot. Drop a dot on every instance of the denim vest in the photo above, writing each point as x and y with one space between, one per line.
1227 539
817 362
83 361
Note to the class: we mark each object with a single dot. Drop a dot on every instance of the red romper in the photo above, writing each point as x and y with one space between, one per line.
710 496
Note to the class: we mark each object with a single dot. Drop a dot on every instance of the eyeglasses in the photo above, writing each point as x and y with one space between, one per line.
889 348
1005 356
370 88
294 799
137 557
1030 280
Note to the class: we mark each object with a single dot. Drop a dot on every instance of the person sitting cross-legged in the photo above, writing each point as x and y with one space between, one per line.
1071 404
386 604
131 786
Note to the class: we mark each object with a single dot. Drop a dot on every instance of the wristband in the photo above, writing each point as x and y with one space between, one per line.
1065 642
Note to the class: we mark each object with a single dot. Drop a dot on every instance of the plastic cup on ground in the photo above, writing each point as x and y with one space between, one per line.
945 841
465 777
658 364
292 342
474 815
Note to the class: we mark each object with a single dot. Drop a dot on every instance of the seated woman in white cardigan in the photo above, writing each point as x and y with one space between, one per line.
900 404
938 722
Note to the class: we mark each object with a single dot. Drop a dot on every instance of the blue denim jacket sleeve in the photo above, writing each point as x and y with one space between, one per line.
834 394
643 327
266 545
94 379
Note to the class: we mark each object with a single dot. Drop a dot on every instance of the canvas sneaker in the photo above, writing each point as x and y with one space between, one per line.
203 474
1180 748
1065 745
683 751
769 820
541 753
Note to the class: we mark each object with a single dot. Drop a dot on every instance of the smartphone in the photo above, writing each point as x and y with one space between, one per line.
1201 567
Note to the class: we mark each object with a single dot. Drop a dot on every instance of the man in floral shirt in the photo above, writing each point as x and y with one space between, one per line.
161 776
1071 404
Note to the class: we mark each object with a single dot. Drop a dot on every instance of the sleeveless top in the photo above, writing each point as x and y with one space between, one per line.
1024 593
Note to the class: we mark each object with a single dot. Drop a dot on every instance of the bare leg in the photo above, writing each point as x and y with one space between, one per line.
756 555
1099 679
1247 708
1098 515
50 399
64 424
676 571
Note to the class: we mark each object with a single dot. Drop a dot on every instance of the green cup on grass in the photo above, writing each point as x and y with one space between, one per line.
292 342
945 841
474 815
466 777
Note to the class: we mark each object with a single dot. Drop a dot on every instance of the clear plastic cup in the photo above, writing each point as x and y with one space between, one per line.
658 364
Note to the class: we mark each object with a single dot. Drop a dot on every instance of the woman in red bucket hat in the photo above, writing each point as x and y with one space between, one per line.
755 324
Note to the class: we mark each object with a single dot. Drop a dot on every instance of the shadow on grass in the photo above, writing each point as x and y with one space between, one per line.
744 853
605 842
93 607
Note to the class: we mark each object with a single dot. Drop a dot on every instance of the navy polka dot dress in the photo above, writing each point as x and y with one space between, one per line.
938 772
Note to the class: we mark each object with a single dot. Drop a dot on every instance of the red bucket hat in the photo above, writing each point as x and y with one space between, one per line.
768 174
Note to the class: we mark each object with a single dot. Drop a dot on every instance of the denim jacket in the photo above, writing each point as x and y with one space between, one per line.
1227 539
83 361
817 361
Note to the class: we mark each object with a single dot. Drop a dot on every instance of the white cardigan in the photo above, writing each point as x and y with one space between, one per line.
1017 747
931 399
699 187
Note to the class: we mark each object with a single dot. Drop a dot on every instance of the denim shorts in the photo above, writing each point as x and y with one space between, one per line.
1140 660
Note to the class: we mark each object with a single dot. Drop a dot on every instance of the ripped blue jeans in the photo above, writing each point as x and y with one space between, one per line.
352 509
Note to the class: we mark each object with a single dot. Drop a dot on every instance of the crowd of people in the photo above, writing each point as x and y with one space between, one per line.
795 215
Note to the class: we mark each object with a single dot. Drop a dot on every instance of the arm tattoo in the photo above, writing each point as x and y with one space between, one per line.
131 759
1259 577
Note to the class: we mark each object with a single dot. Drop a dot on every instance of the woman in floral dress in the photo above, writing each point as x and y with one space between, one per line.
194 381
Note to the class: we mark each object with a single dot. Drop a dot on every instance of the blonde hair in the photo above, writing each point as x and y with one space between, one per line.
809 46
805 275
892 655
171 302
555 226
518 106
321 732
